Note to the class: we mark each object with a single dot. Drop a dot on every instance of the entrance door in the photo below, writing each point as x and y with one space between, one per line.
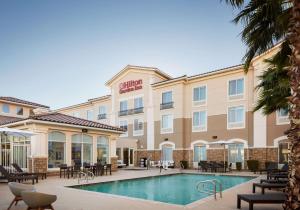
131 158
125 156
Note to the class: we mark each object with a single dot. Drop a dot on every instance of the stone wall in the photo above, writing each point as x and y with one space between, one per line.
37 164
262 155
114 163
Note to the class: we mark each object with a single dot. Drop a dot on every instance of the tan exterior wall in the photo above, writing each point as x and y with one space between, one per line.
13 110
274 130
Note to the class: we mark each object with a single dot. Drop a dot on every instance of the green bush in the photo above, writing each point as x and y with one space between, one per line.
253 165
238 166
184 163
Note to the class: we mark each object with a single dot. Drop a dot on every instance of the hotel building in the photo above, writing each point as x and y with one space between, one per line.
168 118
58 138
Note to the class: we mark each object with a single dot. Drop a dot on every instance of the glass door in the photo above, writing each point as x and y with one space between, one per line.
131 157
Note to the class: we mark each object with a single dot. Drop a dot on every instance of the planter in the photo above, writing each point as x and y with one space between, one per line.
238 166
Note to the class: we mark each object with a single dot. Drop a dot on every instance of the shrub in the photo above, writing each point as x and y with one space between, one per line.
253 165
184 163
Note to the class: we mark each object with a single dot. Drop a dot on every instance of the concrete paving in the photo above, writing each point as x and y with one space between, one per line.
73 199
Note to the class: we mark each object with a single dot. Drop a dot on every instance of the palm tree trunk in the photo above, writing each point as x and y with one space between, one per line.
293 188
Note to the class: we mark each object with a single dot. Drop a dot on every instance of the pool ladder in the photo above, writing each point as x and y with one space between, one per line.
86 176
205 187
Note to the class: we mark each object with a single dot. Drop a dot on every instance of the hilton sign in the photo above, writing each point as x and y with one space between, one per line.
131 85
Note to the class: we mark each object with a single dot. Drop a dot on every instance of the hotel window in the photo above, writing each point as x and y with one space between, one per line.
138 103
236 153
138 127
89 115
236 117
102 113
282 116
19 110
283 152
167 97
199 153
199 121
82 147
123 105
56 149
236 88
167 123
167 153
199 95
124 125
5 108
102 149
76 114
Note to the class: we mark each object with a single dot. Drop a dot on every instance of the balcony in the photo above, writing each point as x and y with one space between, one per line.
131 111
102 116
168 105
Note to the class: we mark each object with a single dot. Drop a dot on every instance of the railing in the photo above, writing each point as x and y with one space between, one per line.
131 111
168 105
86 176
205 187
102 116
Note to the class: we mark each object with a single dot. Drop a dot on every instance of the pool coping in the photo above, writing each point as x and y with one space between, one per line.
189 205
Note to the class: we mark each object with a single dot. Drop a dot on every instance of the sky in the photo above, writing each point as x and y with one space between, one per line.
61 52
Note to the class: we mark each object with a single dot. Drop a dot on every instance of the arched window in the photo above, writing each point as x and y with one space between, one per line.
56 149
199 152
82 148
283 152
102 149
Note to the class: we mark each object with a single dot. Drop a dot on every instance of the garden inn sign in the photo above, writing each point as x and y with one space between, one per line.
131 85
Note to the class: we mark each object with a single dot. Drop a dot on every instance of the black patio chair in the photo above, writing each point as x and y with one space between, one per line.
12 177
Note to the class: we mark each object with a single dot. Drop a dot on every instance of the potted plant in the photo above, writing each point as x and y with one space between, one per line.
238 166
184 164
253 165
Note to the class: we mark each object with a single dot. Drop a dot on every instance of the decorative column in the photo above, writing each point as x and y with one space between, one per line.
112 153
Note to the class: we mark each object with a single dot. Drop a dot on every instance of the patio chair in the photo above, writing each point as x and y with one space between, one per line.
16 177
17 189
269 167
264 186
272 198
20 171
63 169
40 201
274 181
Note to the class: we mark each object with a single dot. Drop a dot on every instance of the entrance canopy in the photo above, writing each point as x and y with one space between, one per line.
16 132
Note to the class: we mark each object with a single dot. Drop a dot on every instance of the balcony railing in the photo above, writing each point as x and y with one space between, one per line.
131 111
102 116
168 105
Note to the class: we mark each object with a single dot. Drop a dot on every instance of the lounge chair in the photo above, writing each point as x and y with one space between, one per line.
270 166
272 198
17 189
20 171
16 177
120 164
274 181
264 186
40 201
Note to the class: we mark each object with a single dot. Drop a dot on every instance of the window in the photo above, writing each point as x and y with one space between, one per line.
138 127
56 149
82 146
199 94
19 110
123 105
76 114
167 153
167 97
5 108
124 125
102 112
283 152
167 123
200 121
89 115
199 153
236 117
282 116
236 88
138 103
236 153
102 149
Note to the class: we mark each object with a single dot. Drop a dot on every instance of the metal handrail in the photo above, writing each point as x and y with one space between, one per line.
214 182
86 176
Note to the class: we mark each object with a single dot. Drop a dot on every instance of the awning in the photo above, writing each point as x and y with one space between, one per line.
16 132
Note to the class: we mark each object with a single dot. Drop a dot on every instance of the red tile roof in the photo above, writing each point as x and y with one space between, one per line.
6 119
67 119
20 101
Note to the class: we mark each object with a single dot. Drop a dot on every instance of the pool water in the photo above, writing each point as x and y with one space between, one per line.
175 189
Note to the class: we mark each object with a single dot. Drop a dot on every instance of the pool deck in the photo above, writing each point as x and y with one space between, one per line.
74 199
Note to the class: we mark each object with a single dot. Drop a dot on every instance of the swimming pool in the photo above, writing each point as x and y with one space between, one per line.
177 189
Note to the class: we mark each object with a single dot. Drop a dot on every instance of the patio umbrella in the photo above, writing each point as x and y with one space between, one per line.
16 132
223 143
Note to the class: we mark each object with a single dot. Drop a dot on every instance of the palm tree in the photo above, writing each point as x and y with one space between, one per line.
267 22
